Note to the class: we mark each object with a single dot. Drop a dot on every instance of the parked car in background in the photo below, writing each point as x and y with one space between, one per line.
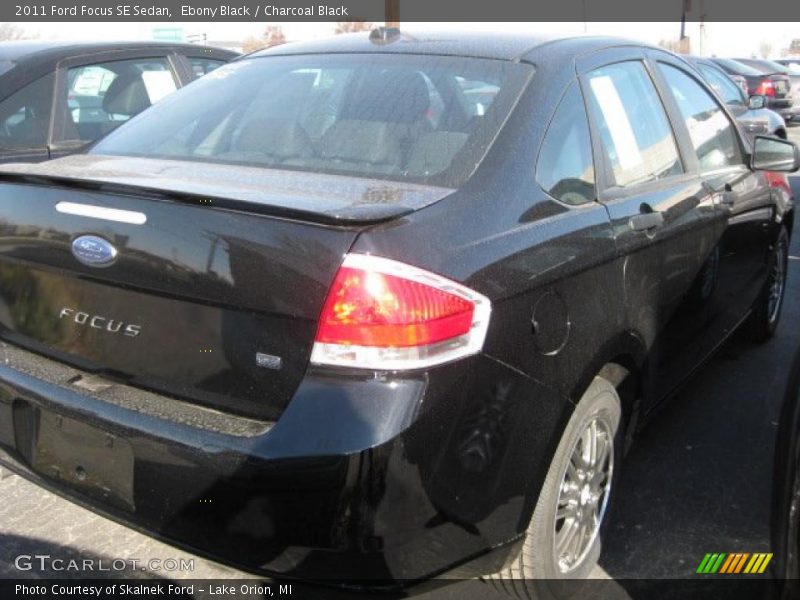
58 97
775 86
740 81
793 64
769 67
292 319
751 114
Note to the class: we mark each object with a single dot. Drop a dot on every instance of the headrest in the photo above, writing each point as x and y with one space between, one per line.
274 137
392 96
360 141
127 95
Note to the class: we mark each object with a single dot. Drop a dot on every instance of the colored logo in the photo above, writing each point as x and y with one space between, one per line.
735 563
93 251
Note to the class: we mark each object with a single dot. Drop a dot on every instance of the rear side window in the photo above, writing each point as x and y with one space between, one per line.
633 125
25 116
102 96
712 134
723 85
565 169
427 119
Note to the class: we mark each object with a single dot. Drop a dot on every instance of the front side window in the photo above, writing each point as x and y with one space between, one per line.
427 119
713 135
565 169
102 96
25 116
632 123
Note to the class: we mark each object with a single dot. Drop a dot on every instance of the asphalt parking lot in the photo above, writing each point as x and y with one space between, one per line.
698 480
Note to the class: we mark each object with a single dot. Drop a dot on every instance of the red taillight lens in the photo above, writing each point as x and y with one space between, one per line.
382 314
765 88
375 309
778 180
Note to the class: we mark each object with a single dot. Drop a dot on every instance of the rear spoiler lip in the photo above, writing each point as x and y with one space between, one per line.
356 215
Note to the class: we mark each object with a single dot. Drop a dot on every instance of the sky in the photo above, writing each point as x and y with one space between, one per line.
714 38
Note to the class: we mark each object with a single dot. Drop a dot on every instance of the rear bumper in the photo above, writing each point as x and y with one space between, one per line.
365 479
785 108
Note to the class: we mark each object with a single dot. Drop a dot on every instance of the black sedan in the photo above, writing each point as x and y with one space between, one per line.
770 67
374 308
58 97
752 114
777 87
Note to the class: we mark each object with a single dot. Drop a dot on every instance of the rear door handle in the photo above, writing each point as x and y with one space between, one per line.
647 221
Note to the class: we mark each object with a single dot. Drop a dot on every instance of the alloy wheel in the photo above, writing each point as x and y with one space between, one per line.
584 494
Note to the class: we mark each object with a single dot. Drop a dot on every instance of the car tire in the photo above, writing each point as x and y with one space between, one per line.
763 320
540 569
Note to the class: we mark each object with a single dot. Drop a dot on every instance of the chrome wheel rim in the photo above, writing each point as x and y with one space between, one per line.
583 496
777 280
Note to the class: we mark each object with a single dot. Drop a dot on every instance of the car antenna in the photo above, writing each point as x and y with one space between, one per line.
384 35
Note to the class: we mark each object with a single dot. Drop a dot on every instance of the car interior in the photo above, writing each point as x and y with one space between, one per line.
102 97
391 122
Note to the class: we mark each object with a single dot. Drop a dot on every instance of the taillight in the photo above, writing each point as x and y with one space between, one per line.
779 181
765 88
386 315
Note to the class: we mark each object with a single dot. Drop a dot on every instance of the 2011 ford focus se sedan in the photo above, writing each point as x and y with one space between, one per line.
381 307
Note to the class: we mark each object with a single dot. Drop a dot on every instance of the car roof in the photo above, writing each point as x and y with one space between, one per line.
21 51
31 60
492 45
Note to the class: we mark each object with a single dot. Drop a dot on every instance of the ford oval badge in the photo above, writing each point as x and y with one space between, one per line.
93 251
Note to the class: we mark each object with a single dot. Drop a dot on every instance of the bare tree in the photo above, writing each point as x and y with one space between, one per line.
352 26
9 31
765 49
273 36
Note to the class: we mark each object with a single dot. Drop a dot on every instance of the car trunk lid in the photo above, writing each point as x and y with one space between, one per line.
210 297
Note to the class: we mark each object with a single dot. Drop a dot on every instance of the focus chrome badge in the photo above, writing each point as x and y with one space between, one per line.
93 251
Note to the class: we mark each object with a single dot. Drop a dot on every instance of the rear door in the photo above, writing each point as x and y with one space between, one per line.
742 198
97 93
662 215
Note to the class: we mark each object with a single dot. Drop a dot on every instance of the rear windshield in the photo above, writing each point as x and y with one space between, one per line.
767 66
5 66
426 119
737 67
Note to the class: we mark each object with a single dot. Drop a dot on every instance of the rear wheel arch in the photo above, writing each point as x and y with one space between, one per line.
619 361
625 375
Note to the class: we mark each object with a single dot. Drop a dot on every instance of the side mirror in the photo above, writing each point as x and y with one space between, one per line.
773 154
756 102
